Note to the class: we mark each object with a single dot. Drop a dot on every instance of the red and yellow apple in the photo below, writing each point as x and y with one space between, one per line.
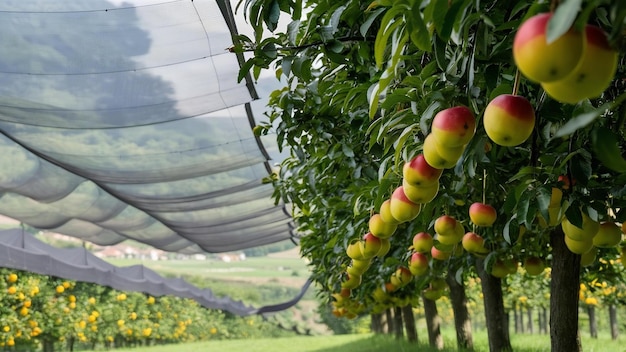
454 127
482 214
609 235
592 75
418 264
422 242
439 156
370 245
439 254
534 265
445 225
418 172
420 194
401 277
541 61
401 208
359 266
432 294
474 243
509 120
380 228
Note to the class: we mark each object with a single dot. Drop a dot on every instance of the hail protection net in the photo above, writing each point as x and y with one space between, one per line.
124 120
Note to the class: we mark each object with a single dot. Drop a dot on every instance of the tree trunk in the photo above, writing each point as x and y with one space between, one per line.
48 345
389 320
409 323
462 321
564 288
593 323
397 323
531 327
515 319
544 314
613 322
433 323
499 339
521 320
377 323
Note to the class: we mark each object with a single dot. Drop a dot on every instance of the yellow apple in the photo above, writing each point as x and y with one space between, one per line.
543 62
593 74
578 247
609 235
420 194
587 232
379 228
438 156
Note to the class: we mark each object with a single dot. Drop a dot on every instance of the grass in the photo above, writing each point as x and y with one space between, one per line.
373 343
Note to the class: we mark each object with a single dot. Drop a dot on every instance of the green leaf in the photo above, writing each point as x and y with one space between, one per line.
523 206
380 44
370 19
562 20
543 200
418 32
605 147
581 120
574 216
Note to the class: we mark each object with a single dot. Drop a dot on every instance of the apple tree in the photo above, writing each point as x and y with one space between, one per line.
520 104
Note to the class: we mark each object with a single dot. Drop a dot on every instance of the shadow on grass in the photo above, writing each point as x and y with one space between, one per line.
379 343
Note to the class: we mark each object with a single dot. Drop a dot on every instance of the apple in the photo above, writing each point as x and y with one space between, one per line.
385 246
509 120
432 294
389 287
418 172
385 213
541 61
401 277
380 295
445 225
439 156
556 196
534 265
420 194
351 282
380 228
587 232
609 235
418 264
422 242
499 269
360 265
451 238
578 247
438 283
511 265
352 270
370 245
454 127
474 243
592 75
588 258
439 254
354 250
402 208
482 214
623 227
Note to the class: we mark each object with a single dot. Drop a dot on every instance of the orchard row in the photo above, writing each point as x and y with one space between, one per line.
508 121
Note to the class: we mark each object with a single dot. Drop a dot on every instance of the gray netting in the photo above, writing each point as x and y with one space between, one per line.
125 120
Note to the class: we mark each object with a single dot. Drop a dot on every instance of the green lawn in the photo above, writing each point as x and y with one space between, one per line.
370 343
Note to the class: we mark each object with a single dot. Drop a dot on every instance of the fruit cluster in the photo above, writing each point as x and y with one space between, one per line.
580 64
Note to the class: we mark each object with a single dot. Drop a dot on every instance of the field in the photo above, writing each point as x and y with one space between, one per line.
371 343
283 268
